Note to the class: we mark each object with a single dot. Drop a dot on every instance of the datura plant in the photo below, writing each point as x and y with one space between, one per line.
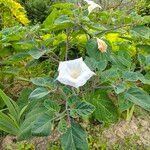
100 77
68 106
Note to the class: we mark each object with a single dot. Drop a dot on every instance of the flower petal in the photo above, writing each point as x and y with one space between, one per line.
83 78
92 5
74 72
66 80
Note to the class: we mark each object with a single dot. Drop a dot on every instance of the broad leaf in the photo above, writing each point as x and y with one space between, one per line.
105 110
19 56
36 53
143 79
11 105
50 19
144 47
25 129
84 108
141 31
93 64
23 97
119 88
130 76
42 81
123 103
109 75
52 105
42 126
39 93
62 126
92 49
74 138
141 59
124 58
7 124
139 97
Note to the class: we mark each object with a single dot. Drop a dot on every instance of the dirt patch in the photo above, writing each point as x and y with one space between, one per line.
38 143
136 132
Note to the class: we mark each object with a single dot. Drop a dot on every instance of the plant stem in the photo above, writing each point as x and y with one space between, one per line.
66 110
68 116
67 44
130 113
103 87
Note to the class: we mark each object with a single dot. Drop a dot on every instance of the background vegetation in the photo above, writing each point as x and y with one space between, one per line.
36 35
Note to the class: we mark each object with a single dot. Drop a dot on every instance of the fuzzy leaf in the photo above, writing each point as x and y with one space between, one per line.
84 108
52 105
139 97
74 138
42 126
39 93
105 110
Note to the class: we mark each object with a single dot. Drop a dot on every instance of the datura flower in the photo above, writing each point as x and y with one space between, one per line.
74 72
102 46
92 5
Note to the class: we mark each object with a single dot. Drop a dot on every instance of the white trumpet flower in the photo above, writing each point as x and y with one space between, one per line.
92 5
74 72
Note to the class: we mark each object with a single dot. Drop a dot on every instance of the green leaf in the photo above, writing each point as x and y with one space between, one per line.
124 58
11 71
36 53
110 75
105 110
7 124
102 64
143 79
23 97
42 126
92 49
119 88
25 128
62 19
74 138
139 97
49 21
147 75
42 81
141 31
148 60
130 76
62 23
32 63
62 26
2 104
19 56
123 103
11 30
93 64
52 105
11 105
84 108
62 126
73 113
141 59
39 93
146 48
67 6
